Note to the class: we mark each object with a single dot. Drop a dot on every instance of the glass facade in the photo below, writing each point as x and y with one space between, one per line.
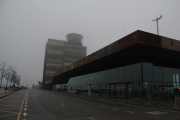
140 80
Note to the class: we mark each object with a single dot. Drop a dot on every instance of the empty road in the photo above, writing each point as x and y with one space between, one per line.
37 104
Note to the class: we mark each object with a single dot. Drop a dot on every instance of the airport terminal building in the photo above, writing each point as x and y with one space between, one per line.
140 65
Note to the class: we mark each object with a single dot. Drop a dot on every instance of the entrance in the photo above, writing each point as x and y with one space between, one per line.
120 90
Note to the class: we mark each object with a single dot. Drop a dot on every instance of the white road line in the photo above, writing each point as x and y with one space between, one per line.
24 114
130 112
62 104
91 118
114 108
103 106
25 109
25 105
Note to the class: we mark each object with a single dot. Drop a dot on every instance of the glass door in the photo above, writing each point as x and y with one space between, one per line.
123 91
117 90
111 90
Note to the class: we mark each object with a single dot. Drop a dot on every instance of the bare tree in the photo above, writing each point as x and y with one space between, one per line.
3 71
8 76
17 80
13 77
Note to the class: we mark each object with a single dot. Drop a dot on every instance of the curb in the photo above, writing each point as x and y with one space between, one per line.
7 95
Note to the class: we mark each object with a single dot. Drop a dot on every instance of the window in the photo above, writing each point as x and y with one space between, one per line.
108 77
128 73
137 72
114 75
147 72
167 74
158 73
121 74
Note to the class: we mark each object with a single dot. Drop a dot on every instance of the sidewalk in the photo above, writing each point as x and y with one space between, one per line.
2 94
153 103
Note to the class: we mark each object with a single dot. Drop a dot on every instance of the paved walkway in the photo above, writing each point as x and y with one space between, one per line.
2 93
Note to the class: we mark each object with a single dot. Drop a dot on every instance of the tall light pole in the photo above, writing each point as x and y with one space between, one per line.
157 23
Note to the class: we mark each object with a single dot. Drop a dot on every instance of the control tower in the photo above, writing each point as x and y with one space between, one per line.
74 38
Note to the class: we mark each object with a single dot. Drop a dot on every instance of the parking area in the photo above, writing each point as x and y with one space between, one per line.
11 106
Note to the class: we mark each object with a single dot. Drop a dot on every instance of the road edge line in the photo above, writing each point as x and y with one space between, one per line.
21 108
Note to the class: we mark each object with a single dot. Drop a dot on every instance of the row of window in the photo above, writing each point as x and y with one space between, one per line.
71 46
50 65
55 52
56 42
53 61
130 73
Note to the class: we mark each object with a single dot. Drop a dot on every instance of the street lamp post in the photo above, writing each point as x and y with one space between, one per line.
157 23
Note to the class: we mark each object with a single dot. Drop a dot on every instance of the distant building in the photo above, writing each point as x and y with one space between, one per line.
60 54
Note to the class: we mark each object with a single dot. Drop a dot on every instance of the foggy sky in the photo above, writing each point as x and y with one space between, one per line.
26 25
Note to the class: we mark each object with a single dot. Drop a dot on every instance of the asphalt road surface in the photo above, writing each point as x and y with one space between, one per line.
36 104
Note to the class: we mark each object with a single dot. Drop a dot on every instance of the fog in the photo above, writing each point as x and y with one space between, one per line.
26 25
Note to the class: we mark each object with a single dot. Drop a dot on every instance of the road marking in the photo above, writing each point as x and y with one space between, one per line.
156 112
91 118
9 111
7 115
25 114
25 105
129 104
103 106
25 109
114 108
7 105
130 112
21 109
36 95
62 104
